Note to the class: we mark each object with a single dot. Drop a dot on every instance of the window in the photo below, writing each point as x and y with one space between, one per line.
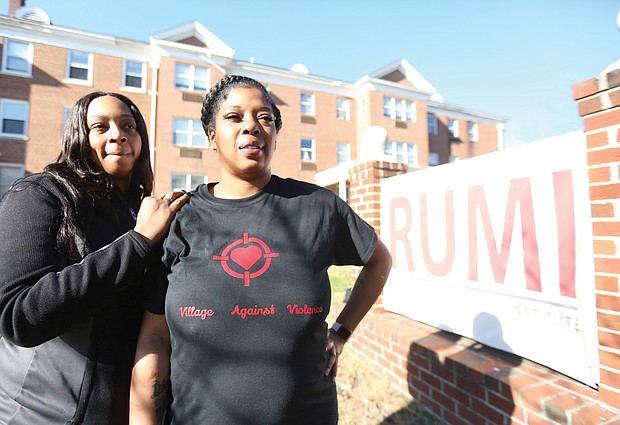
432 124
191 77
472 131
133 75
308 150
307 104
66 110
453 127
80 66
402 153
344 152
186 181
343 109
188 133
14 115
17 58
8 174
433 159
399 109
453 158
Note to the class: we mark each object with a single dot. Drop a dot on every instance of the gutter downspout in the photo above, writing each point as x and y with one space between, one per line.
153 120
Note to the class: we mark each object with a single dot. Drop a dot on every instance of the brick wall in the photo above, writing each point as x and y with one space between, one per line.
598 101
462 382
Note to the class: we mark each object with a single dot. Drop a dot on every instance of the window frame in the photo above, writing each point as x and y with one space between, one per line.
191 77
309 104
472 131
26 105
453 127
188 180
6 54
89 68
400 109
66 111
311 150
6 165
433 159
343 109
127 74
190 134
347 146
393 152
434 127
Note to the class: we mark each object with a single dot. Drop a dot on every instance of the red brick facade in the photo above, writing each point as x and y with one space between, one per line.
48 91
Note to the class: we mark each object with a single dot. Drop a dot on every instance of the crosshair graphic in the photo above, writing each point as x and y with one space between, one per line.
246 252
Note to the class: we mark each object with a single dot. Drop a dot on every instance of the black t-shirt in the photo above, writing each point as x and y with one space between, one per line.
246 297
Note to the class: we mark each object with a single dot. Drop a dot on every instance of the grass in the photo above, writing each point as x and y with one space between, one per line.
340 278
365 397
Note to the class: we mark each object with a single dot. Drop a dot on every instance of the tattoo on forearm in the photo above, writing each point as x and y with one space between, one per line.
159 395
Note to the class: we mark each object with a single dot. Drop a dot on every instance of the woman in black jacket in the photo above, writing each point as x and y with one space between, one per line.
73 250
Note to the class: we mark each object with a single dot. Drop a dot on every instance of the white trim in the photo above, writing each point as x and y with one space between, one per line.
462 113
410 73
70 39
195 29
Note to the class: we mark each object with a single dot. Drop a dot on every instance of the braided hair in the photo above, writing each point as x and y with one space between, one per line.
82 180
219 92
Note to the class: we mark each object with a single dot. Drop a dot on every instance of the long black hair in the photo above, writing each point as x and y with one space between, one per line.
82 179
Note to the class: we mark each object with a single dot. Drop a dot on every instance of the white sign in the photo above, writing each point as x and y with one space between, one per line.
498 248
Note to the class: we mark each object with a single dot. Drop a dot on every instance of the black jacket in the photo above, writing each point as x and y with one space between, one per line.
67 331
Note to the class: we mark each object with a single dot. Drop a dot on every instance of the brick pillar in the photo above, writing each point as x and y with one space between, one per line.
365 196
598 101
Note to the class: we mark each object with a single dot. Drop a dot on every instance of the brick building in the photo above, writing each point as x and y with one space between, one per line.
393 114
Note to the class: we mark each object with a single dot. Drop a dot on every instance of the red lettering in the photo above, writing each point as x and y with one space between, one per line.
519 192
401 234
194 312
296 309
443 267
565 219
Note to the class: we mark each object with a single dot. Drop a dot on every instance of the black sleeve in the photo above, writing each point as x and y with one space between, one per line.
39 299
356 239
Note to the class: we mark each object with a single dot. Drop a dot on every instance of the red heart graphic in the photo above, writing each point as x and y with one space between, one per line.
246 257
